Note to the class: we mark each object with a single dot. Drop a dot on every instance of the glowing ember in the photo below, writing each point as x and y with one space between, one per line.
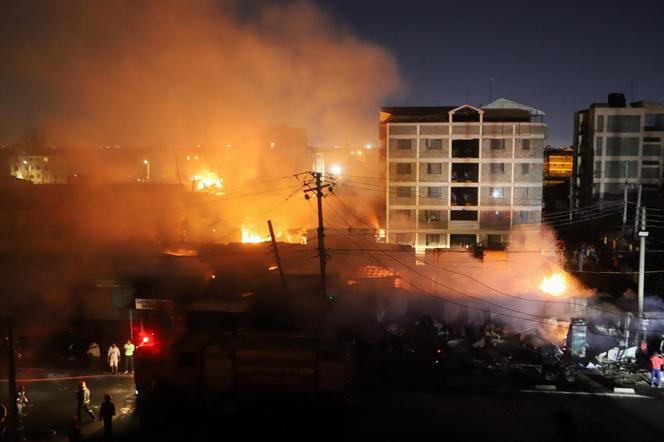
555 284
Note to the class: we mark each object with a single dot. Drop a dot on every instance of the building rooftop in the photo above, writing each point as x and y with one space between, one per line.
500 110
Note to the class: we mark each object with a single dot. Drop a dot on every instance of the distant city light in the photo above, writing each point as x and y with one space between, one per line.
368 146
335 169
146 162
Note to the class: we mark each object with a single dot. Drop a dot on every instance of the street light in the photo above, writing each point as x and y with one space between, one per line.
147 170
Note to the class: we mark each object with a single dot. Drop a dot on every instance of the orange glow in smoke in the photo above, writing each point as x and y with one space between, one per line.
555 284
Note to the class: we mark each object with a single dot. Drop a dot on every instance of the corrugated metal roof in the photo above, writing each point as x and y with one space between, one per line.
505 104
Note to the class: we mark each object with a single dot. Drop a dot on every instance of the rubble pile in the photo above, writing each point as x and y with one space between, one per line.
627 374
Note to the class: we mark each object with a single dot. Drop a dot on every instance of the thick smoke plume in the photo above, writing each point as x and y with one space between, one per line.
187 72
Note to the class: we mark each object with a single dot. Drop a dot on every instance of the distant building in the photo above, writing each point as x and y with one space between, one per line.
616 145
461 175
38 168
558 163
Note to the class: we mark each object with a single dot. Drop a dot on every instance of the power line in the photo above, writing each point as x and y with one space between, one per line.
477 280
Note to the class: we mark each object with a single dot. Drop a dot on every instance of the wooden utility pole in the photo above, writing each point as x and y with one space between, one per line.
276 255
316 186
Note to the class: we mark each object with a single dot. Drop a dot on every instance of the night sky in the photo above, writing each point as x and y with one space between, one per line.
558 56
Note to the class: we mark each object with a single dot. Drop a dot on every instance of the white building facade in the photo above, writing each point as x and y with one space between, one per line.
458 176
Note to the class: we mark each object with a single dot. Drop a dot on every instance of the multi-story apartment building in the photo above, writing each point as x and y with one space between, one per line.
615 146
457 176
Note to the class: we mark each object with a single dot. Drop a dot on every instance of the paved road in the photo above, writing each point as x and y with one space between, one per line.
53 400
516 415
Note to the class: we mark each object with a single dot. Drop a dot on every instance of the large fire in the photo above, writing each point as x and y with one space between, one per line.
252 235
555 284
208 182
249 235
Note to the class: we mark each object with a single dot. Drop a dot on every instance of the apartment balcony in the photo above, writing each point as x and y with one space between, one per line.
465 172
466 148
463 196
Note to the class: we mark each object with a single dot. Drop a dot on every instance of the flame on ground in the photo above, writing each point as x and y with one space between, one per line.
555 284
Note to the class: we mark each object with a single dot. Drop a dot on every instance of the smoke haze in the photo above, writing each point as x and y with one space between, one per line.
177 73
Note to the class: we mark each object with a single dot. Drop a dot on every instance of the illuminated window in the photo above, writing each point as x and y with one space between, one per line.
497 192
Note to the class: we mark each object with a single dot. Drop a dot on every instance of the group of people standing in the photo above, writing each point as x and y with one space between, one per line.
113 357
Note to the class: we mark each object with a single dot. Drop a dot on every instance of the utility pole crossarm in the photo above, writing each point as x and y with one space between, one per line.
316 186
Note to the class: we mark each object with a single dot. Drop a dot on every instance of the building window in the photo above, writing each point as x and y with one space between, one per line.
600 123
433 143
524 192
523 215
650 172
404 238
432 216
434 192
598 169
434 168
403 168
433 239
463 215
525 144
617 169
651 163
525 168
623 123
497 168
497 192
497 144
618 146
402 214
651 150
403 192
404 144
599 145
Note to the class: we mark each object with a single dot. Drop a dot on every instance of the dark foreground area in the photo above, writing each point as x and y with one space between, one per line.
589 412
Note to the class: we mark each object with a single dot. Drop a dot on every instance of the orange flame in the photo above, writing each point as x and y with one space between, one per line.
555 284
